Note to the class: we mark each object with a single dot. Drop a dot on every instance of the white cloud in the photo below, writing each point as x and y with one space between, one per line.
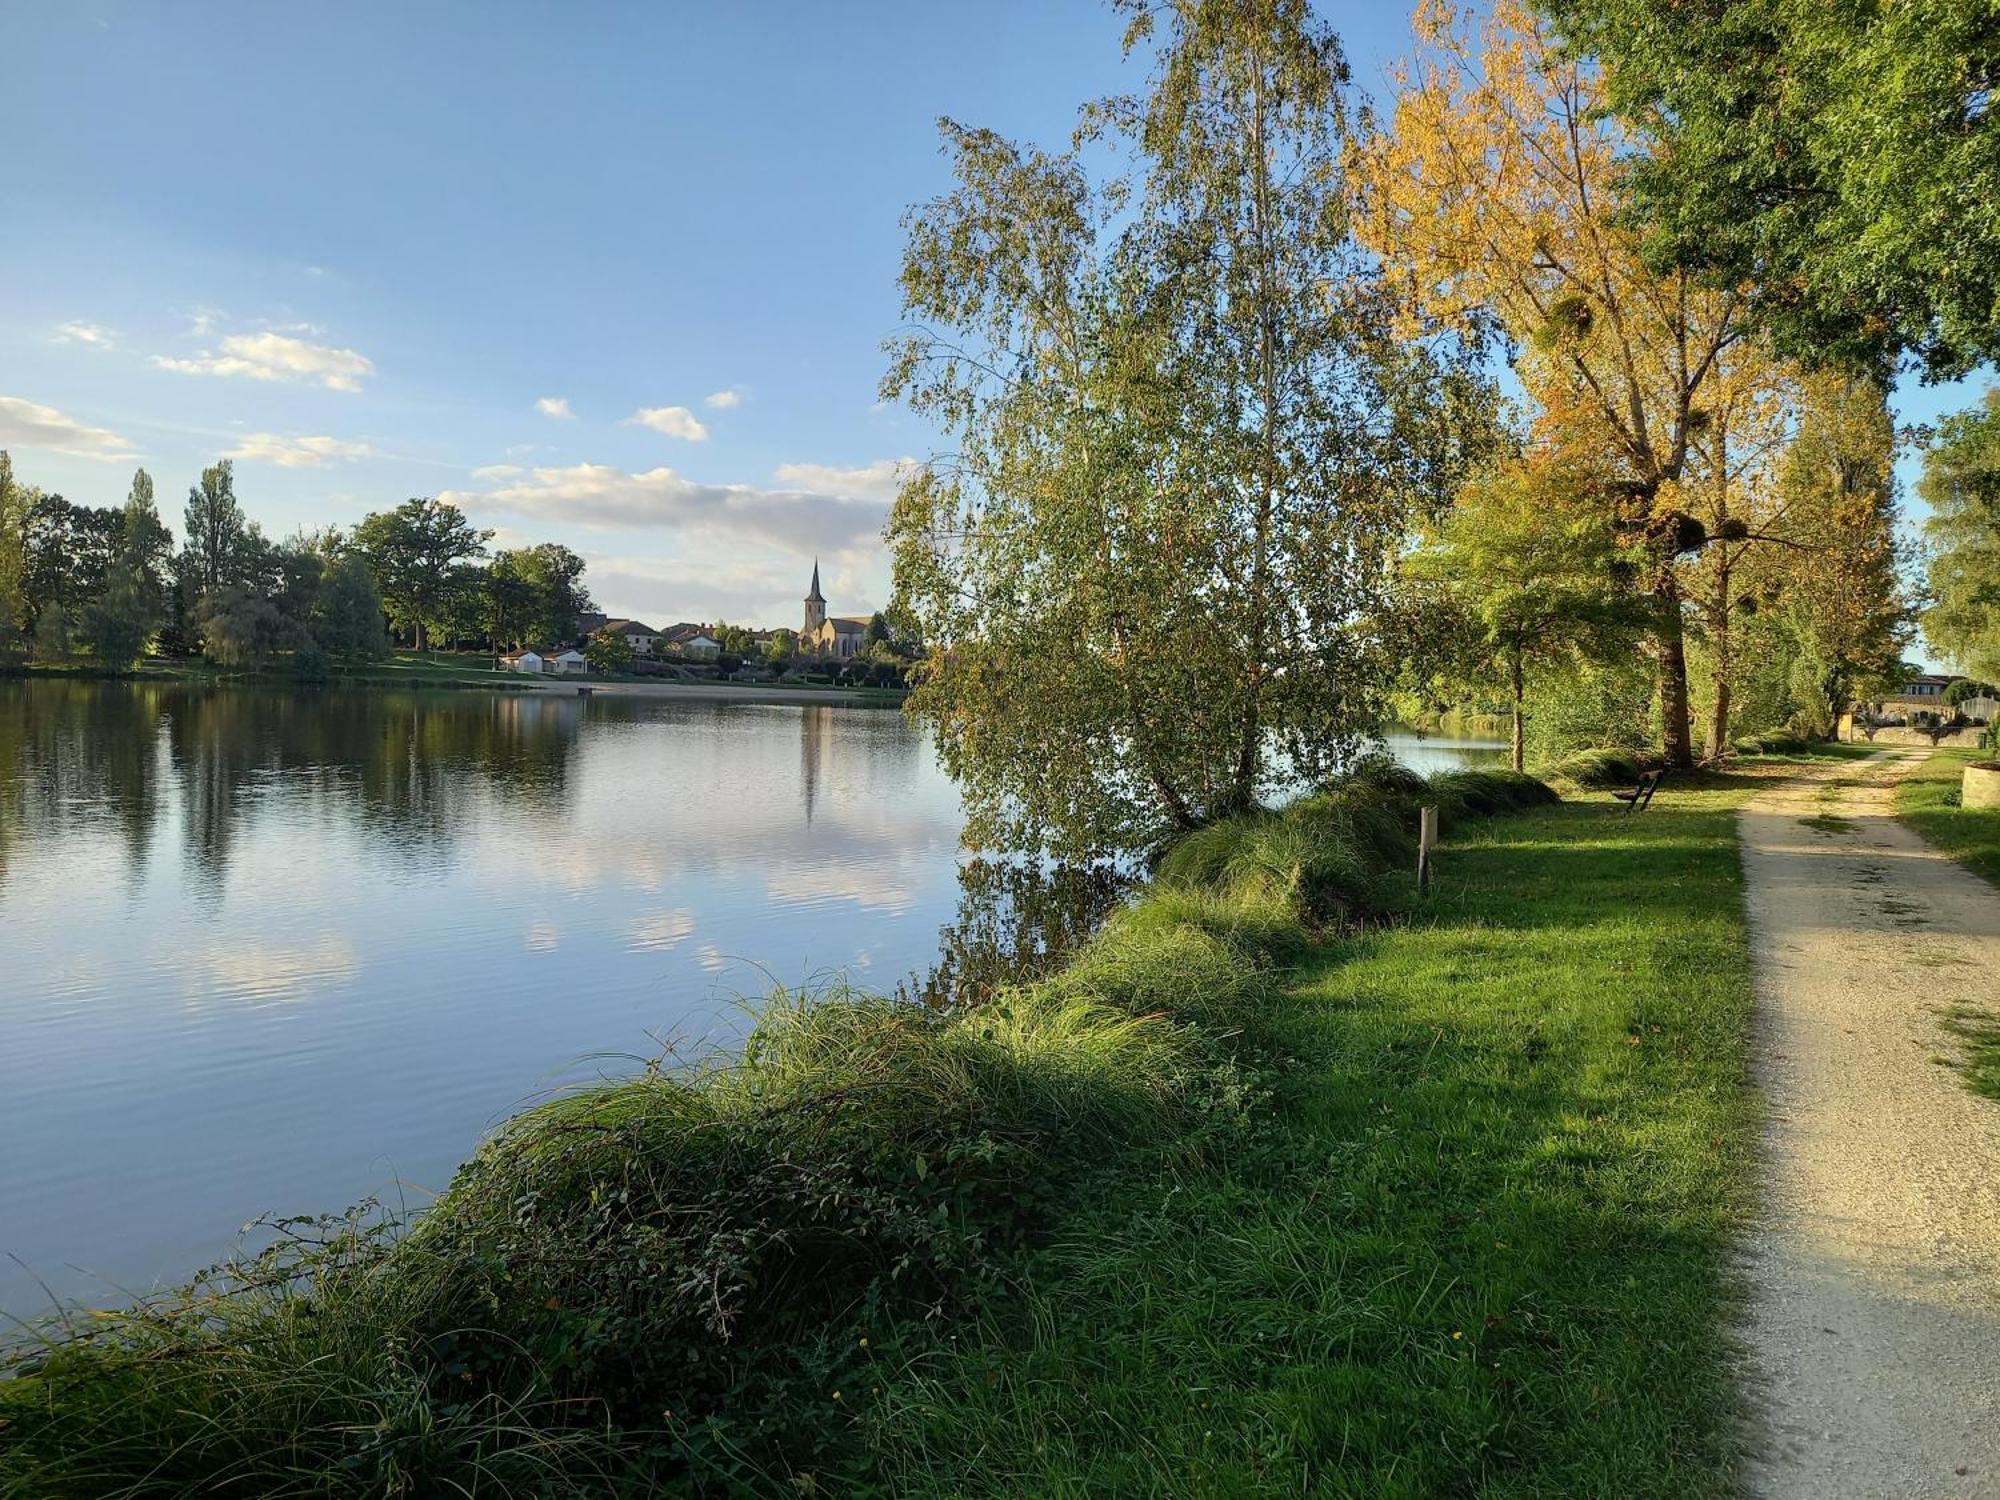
94 334
498 471
877 481
723 400
254 973
297 452
555 406
797 521
28 424
659 932
674 421
277 356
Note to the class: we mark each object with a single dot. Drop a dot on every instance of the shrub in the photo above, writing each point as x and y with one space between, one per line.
1774 743
1596 769
1482 793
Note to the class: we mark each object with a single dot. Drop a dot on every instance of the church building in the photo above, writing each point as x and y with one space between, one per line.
822 635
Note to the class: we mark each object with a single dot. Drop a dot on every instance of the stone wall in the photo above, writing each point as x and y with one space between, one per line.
1967 736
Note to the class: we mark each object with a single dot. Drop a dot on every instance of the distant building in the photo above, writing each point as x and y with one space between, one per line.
522 661
570 660
640 637
823 635
1920 700
693 640
589 623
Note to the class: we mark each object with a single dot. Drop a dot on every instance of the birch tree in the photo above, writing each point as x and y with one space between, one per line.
1187 444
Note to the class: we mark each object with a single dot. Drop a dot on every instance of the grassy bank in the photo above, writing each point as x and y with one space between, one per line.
1477 1244
402 669
1927 800
1295 1181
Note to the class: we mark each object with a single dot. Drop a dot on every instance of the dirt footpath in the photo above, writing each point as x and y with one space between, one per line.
1874 1310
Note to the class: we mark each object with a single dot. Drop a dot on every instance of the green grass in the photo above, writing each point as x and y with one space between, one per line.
1294 1181
1978 1033
1478 1245
1927 800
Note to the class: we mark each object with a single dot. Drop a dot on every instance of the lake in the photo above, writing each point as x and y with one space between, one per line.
268 952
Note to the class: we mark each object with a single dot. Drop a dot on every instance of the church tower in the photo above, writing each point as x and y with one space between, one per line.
815 604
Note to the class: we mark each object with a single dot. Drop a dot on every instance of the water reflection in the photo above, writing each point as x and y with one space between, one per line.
1015 921
272 951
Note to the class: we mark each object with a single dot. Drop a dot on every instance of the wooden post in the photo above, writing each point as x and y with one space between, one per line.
1427 837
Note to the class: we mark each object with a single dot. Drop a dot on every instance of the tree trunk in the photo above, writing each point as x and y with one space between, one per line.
1718 725
1676 737
1250 743
1520 739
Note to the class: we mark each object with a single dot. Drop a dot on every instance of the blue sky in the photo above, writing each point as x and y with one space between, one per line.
612 275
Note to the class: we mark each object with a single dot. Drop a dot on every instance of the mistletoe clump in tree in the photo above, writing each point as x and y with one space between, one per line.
1188 444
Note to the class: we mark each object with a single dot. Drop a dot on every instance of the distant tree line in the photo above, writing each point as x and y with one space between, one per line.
108 584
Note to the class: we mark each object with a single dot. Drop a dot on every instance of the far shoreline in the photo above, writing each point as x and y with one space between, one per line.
428 677
730 692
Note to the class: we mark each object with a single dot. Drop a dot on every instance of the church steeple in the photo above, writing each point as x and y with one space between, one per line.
815 603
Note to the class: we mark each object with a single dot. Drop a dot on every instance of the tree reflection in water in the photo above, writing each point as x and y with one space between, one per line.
1016 921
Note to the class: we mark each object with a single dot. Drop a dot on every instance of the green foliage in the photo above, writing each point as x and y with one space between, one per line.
67 551
1531 559
1587 705
1961 485
241 627
415 552
347 611
120 621
1595 770
1838 160
54 633
532 596
16 500
609 651
1186 444
1773 744
219 546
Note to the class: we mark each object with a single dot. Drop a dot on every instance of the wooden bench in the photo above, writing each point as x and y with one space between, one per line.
1642 794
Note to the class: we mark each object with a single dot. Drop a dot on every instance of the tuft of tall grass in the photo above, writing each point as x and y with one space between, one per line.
652 1278
1595 770
1484 793
1777 742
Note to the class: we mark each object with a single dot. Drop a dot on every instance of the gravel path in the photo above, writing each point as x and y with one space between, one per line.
1874 1310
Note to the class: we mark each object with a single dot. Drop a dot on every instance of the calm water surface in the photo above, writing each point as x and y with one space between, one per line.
271 952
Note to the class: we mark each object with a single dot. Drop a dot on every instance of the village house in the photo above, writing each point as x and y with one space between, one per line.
1920 700
542 663
640 637
693 641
